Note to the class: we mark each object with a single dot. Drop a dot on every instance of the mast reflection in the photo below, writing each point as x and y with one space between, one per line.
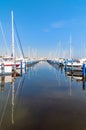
2 83
13 91
12 100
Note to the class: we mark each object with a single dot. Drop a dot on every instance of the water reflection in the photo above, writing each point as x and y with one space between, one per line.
77 78
7 84
32 70
45 97
4 80
66 76
84 85
13 80
2 83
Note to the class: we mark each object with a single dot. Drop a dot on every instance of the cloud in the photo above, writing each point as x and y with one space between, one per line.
46 30
59 24
54 25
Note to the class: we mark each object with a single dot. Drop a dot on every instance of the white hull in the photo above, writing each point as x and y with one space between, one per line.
6 70
74 64
6 67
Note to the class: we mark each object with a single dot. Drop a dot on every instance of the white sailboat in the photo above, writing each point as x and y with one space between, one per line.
7 63
72 62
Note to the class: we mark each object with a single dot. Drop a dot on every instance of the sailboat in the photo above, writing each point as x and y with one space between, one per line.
7 63
73 62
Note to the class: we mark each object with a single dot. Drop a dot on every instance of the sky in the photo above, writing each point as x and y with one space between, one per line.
45 26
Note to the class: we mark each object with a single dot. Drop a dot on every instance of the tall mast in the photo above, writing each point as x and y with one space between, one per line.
12 35
70 47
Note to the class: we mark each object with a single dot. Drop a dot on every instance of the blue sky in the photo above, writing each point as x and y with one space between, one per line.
46 25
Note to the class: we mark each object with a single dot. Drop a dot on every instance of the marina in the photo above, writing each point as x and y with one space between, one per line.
42 65
43 97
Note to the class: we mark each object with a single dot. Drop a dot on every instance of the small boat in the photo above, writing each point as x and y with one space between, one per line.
73 63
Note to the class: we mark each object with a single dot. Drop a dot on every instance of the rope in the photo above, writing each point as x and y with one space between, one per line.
19 40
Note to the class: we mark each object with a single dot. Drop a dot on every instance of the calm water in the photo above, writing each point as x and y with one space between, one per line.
43 98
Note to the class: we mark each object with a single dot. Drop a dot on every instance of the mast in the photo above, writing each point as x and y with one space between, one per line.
12 35
70 47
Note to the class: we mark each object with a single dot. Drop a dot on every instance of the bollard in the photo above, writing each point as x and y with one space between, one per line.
13 67
21 64
13 70
84 70
21 68
25 66
71 65
66 68
2 68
